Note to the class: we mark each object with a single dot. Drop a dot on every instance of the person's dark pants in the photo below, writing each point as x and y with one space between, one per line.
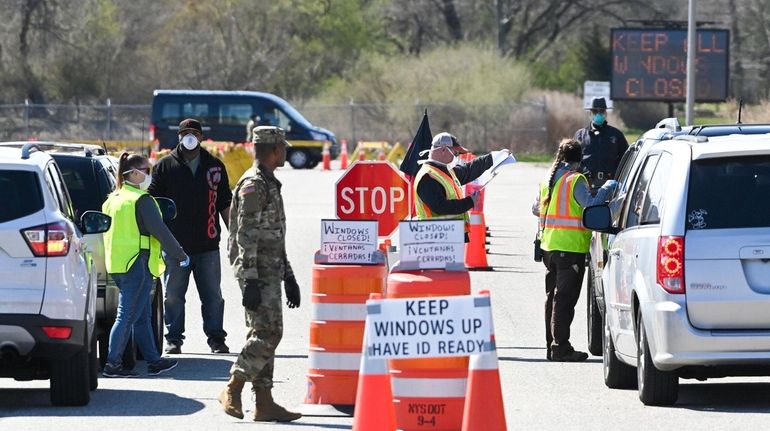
563 281
206 271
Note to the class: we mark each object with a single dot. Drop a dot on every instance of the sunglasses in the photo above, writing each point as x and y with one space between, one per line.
145 170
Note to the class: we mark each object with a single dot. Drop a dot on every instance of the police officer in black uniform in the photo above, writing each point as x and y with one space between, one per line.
603 145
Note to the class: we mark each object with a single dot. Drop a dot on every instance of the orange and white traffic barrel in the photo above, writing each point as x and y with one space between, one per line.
337 329
429 394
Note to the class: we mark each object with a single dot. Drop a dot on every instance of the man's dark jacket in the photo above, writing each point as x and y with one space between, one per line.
199 199
432 193
603 147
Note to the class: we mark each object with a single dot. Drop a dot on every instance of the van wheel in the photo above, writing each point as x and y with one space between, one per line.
93 364
299 159
593 317
617 375
70 381
656 388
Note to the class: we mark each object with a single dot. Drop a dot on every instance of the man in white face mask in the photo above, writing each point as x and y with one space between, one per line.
198 184
437 185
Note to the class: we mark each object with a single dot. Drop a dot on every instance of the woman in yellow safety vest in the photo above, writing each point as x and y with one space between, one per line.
564 242
132 249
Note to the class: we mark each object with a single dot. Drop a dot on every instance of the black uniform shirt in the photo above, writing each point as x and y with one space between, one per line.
603 147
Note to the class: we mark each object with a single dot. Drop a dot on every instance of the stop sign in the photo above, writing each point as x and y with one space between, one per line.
373 191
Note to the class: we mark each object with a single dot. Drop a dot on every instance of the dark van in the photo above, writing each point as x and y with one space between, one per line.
224 114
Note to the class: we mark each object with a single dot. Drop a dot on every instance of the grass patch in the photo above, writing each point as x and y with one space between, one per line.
534 157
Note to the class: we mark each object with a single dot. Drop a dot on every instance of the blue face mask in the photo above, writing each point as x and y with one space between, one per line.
599 118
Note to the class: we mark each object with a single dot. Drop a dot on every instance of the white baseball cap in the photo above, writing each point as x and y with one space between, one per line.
445 139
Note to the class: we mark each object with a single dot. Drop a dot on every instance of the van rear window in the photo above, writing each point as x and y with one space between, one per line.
20 195
729 193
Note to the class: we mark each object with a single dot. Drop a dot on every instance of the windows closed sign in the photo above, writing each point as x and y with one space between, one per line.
651 64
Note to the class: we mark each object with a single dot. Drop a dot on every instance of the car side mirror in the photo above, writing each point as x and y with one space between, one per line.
598 218
167 208
95 222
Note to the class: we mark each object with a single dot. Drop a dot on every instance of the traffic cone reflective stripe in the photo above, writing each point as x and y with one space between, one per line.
475 249
374 396
484 409
326 157
344 154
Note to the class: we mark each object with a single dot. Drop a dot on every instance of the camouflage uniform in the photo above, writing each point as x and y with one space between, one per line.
257 251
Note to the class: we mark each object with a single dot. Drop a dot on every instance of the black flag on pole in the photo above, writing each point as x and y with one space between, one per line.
421 142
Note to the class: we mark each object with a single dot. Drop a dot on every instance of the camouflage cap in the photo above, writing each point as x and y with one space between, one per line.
269 135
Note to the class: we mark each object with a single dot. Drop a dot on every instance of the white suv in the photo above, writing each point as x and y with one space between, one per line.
48 287
687 277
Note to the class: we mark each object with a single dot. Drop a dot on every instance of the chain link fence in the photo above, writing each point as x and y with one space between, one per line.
522 127
106 122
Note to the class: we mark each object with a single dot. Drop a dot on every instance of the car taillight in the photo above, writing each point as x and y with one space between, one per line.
670 271
58 332
49 240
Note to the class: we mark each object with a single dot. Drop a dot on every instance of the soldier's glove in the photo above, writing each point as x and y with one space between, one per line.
252 294
291 288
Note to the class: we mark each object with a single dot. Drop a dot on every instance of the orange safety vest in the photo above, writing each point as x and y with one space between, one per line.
562 221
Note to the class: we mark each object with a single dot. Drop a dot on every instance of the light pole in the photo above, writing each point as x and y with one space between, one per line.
691 49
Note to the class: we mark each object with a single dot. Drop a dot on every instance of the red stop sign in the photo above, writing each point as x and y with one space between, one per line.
373 191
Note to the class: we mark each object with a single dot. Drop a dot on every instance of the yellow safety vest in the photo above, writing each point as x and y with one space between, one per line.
562 221
452 189
123 241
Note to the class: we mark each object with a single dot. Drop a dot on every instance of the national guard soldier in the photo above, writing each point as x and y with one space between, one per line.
258 256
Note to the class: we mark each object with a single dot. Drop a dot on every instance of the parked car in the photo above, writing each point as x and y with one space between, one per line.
628 169
89 174
48 307
224 115
687 274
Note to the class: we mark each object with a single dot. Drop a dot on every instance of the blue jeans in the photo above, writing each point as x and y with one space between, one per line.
206 271
134 311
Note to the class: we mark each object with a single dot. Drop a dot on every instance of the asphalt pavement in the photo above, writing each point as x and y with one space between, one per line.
538 394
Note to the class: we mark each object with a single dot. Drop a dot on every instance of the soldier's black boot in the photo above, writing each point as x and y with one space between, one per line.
268 411
230 397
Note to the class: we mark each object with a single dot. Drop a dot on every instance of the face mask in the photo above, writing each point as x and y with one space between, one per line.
599 118
190 142
453 163
145 184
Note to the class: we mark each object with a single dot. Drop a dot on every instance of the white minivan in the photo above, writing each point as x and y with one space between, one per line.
687 276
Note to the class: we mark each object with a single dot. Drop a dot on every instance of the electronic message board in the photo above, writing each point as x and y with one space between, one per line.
651 64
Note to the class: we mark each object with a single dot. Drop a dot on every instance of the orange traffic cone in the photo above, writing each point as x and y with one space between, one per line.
153 157
484 408
374 396
361 154
344 154
476 249
326 157
381 154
